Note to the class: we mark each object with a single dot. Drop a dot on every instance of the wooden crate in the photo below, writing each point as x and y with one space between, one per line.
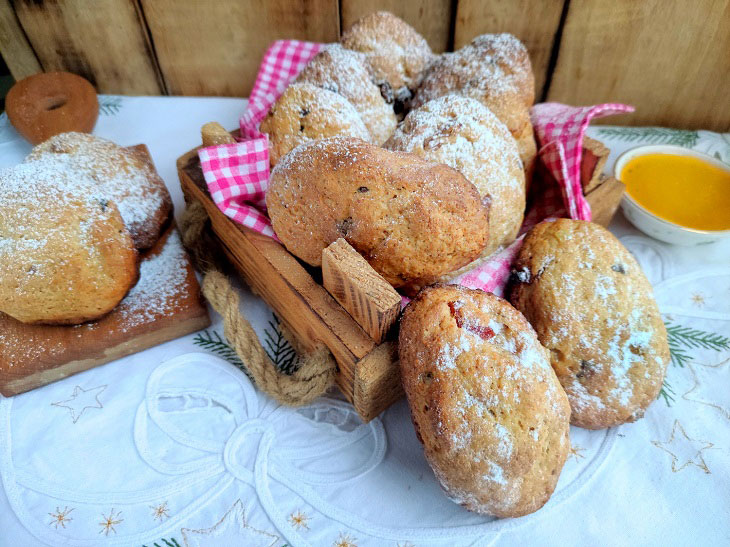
367 372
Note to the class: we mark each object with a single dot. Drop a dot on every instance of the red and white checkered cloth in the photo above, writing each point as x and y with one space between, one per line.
238 174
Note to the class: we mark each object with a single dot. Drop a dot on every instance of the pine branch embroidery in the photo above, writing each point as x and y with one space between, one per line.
215 343
279 349
667 392
110 106
172 542
695 338
651 135
680 339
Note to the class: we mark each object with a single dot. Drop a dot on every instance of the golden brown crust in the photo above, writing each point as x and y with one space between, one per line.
397 55
411 219
65 254
344 71
494 69
465 135
593 308
305 112
124 176
485 402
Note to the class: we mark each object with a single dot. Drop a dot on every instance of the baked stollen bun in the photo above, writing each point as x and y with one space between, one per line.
495 70
396 54
465 135
345 72
122 175
413 220
594 310
487 406
65 254
305 112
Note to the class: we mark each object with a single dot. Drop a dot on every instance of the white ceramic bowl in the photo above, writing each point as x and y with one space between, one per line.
653 225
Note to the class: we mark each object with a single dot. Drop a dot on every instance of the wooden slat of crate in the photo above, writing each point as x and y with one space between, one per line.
367 373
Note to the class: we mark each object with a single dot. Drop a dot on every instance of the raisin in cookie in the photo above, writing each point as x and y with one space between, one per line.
397 55
344 71
594 309
306 112
485 402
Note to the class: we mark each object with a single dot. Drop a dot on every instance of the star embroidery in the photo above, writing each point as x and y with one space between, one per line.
80 400
109 522
60 518
232 529
693 394
684 449
160 512
299 520
577 452
698 299
345 540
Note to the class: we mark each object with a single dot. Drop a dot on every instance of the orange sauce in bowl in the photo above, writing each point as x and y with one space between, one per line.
681 189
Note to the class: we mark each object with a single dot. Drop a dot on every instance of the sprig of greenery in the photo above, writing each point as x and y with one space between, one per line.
109 106
696 338
651 135
680 339
215 343
172 542
278 348
667 392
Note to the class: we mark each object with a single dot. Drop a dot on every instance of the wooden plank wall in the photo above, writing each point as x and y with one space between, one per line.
669 58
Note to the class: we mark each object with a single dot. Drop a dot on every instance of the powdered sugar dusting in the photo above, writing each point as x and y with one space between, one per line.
36 198
493 68
161 282
129 183
344 71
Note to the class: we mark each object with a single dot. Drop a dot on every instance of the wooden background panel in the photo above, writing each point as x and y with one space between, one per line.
17 52
105 42
535 23
669 58
432 18
214 48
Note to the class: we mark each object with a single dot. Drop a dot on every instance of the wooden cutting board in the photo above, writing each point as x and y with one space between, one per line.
164 305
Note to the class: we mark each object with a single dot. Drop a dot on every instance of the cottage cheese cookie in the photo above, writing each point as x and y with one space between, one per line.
465 135
488 408
345 72
123 176
411 219
65 254
593 308
306 112
396 53
495 70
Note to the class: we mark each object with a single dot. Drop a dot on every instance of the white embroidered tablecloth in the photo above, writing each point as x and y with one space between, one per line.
173 446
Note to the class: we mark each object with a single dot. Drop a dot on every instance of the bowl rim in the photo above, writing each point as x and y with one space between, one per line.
670 150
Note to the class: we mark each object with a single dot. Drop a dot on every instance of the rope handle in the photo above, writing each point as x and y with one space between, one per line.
316 372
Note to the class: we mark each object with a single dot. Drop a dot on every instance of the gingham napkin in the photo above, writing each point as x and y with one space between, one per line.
237 174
